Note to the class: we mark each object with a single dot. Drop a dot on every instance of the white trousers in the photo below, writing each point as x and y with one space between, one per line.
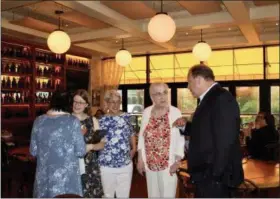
116 180
161 184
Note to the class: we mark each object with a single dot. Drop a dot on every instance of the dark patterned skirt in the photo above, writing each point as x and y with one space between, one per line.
91 180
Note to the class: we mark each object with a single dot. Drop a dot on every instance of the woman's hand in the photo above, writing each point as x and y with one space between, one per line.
140 167
174 167
83 129
132 153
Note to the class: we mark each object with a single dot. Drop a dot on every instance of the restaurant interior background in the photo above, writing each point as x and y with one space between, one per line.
243 36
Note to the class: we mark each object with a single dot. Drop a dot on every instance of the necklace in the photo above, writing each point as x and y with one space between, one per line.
55 113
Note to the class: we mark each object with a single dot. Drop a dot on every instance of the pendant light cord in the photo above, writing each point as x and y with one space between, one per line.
161 6
122 44
59 22
201 35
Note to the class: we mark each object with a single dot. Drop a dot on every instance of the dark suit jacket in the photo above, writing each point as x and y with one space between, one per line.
214 148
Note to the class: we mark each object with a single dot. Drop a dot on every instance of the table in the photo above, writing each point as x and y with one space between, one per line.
264 174
24 153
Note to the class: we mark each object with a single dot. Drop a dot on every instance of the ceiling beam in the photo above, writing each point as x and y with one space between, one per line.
94 46
6 24
96 34
182 20
241 15
7 5
101 12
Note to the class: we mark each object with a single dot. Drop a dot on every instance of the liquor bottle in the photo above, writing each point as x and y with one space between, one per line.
3 98
9 83
38 84
27 83
14 83
49 84
45 71
3 83
2 66
13 67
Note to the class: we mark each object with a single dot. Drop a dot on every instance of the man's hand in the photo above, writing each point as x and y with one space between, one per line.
141 167
180 122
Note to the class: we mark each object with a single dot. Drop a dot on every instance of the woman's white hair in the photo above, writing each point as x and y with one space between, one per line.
112 93
156 85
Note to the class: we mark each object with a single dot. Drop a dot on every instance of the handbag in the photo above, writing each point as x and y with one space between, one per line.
98 134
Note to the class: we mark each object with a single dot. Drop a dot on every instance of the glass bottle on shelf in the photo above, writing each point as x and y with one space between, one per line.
14 83
3 82
9 83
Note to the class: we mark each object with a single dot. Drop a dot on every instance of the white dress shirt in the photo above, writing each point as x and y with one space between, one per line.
203 94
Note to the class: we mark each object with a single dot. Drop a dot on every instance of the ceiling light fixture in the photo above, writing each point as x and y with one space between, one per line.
123 56
277 24
202 50
161 27
59 41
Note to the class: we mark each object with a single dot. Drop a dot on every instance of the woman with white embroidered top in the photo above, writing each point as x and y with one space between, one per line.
116 158
90 171
160 148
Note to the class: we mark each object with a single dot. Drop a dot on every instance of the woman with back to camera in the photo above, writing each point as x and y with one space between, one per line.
57 142
160 146
91 179
116 157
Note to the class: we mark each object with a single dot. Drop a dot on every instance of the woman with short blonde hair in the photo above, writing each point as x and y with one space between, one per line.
115 159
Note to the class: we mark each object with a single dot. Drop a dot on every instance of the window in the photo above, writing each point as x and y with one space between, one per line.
162 68
248 63
275 101
183 62
272 62
121 105
135 72
221 62
186 102
248 100
135 101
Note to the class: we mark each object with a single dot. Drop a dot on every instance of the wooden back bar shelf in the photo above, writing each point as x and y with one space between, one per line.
29 76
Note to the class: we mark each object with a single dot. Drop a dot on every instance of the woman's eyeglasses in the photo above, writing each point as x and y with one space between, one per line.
79 103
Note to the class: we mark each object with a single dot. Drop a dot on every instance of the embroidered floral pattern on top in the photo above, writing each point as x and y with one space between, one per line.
157 142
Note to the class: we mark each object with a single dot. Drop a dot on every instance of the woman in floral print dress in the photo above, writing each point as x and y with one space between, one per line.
91 179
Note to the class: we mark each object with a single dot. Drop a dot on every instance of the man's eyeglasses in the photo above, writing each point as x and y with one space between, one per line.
79 103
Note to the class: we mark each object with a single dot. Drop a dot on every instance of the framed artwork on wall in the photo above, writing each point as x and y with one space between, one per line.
95 98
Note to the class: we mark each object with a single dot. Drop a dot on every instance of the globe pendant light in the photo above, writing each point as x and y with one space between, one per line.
123 57
161 27
59 41
202 50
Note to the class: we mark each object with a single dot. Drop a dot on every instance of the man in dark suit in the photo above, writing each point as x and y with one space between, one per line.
214 155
